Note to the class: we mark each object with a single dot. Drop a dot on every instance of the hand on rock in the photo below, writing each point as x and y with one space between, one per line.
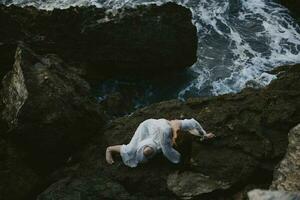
210 135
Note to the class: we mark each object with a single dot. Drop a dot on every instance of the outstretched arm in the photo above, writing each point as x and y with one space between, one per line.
109 151
200 129
167 149
198 126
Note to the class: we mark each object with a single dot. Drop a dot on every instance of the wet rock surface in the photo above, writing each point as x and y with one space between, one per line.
126 41
251 127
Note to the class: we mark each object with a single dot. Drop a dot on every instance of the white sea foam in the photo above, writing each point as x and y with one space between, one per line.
278 33
239 41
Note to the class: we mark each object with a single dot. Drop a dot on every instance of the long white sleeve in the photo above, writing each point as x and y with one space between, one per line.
188 124
167 149
199 127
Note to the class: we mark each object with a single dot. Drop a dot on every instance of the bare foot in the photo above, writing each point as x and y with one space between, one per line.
108 155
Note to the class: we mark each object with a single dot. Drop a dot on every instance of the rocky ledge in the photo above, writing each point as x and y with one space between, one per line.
129 40
252 136
47 112
53 139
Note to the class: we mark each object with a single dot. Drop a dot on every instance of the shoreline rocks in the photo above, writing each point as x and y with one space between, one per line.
251 129
47 113
54 135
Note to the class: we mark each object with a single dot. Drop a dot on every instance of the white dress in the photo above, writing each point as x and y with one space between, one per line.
157 134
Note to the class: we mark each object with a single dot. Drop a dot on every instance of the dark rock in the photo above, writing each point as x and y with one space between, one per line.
96 188
47 108
287 174
251 129
17 179
7 52
187 185
286 183
293 6
130 40
272 195
117 104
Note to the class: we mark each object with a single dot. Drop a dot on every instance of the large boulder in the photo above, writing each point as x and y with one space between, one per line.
272 195
251 129
293 6
285 184
287 174
130 40
46 108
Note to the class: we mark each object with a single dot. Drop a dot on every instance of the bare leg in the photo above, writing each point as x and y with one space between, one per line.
110 151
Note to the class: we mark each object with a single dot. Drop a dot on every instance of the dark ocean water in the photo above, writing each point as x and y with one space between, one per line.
239 42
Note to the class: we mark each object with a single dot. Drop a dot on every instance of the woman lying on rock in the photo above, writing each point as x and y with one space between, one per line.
153 136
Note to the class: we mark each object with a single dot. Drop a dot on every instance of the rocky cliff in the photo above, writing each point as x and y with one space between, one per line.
252 130
53 133
48 120
142 39
47 113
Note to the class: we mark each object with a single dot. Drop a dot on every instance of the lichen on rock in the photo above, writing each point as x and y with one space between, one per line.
14 91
